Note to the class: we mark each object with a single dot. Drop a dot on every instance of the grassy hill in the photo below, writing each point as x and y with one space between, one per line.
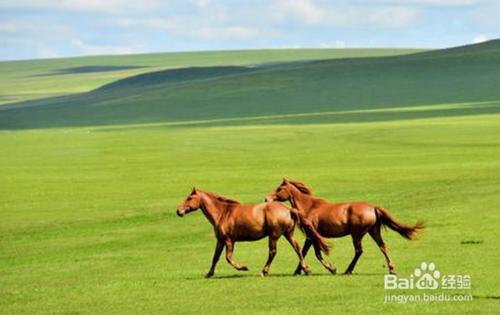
198 93
34 79
97 153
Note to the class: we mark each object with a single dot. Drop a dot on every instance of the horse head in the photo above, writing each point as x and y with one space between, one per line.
191 203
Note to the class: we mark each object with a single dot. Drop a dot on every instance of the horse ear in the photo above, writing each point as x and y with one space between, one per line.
285 180
193 191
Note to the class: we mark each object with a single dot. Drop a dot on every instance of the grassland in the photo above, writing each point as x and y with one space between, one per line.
90 180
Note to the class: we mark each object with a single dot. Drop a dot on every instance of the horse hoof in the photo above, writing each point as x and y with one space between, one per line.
333 271
243 268
264 274
393 272
307 272
209 275
348 273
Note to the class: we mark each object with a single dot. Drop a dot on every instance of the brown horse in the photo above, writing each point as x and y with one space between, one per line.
234 222
341 219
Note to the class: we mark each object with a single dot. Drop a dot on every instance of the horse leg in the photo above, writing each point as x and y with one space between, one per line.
273 241
325 263
358 250
229 256
377 237
305 249
215 259
302 264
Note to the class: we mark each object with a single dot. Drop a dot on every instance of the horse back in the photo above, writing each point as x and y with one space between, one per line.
255 221
339 218
278 217
245 222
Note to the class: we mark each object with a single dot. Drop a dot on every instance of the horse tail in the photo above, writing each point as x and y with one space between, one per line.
407 231
310 231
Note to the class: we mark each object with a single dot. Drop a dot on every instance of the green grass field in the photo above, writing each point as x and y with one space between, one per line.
97 153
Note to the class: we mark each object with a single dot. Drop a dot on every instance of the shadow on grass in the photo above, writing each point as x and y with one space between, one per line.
382 115
487 297
470 109
88 69
31 117
171 76
282 275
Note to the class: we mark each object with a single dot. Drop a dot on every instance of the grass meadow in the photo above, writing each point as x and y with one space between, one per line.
91 176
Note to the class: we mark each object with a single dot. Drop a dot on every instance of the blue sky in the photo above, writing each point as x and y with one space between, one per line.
47 29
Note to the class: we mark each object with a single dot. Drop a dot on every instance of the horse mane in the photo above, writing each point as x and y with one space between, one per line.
223 199
301 187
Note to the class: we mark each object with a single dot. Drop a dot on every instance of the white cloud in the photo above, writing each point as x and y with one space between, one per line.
193 27
8 27
229 32
68 27
430 2
45 51
339 44
202 4
108 6
91 49
487 16
344 15
34 26
305 10
258 14
479 39
51 41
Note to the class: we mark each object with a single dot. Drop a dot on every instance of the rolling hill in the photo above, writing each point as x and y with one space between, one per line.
314 87
34 79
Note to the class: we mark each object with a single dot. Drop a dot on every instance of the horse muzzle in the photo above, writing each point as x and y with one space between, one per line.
180 213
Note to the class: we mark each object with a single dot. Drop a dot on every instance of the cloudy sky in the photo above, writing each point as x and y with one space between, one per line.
46 29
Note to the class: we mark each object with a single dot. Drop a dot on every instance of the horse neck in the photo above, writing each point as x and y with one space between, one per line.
211 208
301 201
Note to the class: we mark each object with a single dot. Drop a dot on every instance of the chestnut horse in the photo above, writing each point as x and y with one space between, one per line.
233 221
341 219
